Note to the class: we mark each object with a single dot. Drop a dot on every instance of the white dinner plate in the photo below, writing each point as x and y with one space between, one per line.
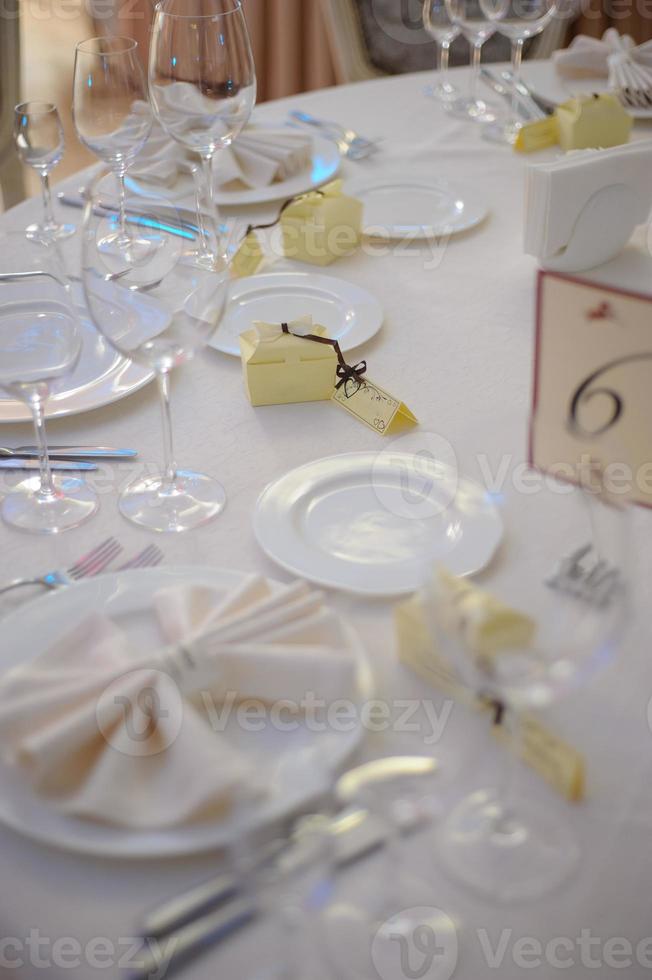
300 764
551 87
324 165
414 206
101 376
349 313
376 523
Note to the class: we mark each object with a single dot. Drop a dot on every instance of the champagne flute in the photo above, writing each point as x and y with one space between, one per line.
439 25
38 134
159 312
113 119
202 86
477 29
504 844
40 344
517 20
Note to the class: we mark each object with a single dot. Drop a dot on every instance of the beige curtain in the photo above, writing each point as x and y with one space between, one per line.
627 16
288 36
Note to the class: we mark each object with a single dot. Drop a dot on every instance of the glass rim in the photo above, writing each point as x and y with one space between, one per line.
35 107
128 44
236 8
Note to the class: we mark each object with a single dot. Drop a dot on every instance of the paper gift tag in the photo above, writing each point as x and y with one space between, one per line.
592 394
374 406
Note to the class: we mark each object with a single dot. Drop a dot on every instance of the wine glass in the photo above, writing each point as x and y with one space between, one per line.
517 20
510 845
113 119
202 86
476 28
40 344
440 27
159 312
38 134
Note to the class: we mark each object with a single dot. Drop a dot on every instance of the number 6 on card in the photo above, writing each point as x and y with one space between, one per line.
592 398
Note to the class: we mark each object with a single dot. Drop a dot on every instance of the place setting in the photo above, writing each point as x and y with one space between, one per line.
317 683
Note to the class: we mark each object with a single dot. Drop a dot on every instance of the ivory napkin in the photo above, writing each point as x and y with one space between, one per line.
589 57
109 734
582 208
258 157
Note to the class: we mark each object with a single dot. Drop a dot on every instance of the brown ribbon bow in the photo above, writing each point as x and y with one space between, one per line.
292 200
345 372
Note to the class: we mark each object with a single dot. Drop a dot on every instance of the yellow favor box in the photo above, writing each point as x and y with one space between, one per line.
321 226
280 369
593 121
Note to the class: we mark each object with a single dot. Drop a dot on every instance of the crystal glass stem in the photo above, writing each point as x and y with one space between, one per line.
169 464
48 213
47 486
475 69
517 59
122 205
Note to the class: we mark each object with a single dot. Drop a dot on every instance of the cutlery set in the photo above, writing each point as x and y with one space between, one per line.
63 458
93 563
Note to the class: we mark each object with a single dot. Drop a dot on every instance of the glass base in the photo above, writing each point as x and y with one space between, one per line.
474 109
507 857
133 249
27 509
192 500
442 92
505 133
46 234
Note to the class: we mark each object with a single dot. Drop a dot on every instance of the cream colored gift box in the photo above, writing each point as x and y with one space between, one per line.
593 121
321 226
280 368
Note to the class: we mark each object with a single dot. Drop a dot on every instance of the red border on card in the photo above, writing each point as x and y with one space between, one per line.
549 274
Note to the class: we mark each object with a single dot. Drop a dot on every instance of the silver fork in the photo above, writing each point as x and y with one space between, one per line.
93 563
350 144
147 558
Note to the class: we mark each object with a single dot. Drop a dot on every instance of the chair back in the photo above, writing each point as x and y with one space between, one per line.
11 172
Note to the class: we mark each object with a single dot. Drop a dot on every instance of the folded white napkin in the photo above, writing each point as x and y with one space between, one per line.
113 735
259 156
588 56
582 208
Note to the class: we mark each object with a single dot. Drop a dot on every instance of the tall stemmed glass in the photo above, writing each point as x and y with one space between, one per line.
38 134
202 86
517 20
500 842
440 27
40 344
159 312
475 27
113 119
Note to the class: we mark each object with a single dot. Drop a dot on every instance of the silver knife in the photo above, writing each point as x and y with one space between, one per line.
57 465
210 912
170 221
181 216
528 106
70 452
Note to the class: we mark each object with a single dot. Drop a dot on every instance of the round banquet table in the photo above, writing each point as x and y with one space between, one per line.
456 345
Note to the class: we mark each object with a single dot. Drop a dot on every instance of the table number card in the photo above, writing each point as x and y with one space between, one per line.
374 406
592 389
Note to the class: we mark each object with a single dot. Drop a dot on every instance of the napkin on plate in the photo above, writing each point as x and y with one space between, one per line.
258 157
582 208
110 734
589 57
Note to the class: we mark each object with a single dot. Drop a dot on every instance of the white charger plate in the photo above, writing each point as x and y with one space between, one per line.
324 165
547 84
350 314
414 206
376 523
300 764
101 376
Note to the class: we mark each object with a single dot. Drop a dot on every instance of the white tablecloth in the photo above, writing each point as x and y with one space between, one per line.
457 346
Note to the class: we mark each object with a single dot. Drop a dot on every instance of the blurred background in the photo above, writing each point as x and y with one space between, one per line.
299 45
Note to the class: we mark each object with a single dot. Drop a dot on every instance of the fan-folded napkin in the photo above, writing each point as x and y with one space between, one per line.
110 734
259 156
589 56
